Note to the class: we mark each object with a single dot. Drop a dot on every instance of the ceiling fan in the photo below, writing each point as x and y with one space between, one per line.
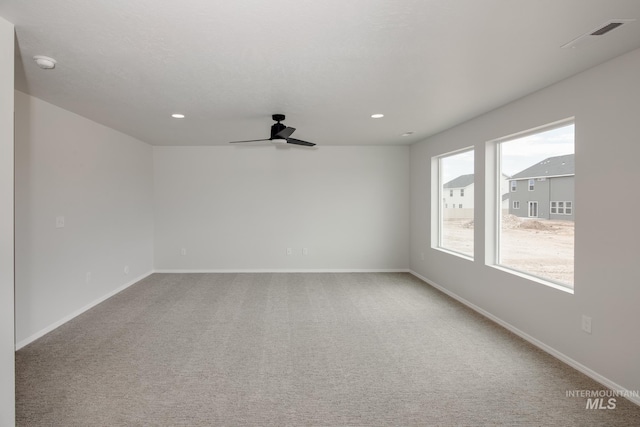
280 134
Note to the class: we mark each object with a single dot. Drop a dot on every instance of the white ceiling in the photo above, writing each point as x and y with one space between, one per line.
327 64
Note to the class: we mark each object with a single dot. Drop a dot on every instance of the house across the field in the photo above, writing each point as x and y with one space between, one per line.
544 190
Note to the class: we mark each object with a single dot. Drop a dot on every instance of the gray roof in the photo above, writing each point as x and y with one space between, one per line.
551 166
460 182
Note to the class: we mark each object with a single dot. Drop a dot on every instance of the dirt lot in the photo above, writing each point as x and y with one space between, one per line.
540 247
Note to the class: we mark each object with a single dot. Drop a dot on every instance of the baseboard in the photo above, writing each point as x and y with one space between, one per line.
288 270
76 313
544 347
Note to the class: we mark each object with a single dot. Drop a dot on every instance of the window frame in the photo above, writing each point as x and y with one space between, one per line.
493 204
437 190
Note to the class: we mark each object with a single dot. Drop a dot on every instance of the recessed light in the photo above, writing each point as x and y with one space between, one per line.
177 116
407 133
377 116
45 62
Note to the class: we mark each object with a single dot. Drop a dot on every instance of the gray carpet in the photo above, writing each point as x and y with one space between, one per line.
297 350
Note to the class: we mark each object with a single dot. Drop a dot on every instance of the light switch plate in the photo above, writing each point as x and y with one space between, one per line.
586 324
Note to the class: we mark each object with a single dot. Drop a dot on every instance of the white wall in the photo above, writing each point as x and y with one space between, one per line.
605 101
7 348
101 181
239 208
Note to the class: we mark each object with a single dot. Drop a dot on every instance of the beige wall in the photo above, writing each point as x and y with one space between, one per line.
239 208
101 182
7 340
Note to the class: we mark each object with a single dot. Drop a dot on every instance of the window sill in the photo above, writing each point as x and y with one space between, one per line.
554 285
450 252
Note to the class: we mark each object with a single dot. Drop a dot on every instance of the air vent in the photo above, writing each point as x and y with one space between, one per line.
597 32
607 28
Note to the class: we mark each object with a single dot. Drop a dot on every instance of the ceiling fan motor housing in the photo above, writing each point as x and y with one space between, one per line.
277 128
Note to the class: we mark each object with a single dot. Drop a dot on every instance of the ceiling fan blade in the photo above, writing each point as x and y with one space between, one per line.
300 142
249 140
285 133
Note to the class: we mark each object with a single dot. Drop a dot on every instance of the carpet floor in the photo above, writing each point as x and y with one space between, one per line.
357 349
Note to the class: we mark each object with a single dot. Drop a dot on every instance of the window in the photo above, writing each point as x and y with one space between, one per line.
538 240
452 229
561 208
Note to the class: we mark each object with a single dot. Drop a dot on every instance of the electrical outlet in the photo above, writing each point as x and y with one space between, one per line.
126 269
183 251
305 251
59 222
422 255
88 277
586 324
289 251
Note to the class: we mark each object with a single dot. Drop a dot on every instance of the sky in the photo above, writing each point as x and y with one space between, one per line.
517 154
